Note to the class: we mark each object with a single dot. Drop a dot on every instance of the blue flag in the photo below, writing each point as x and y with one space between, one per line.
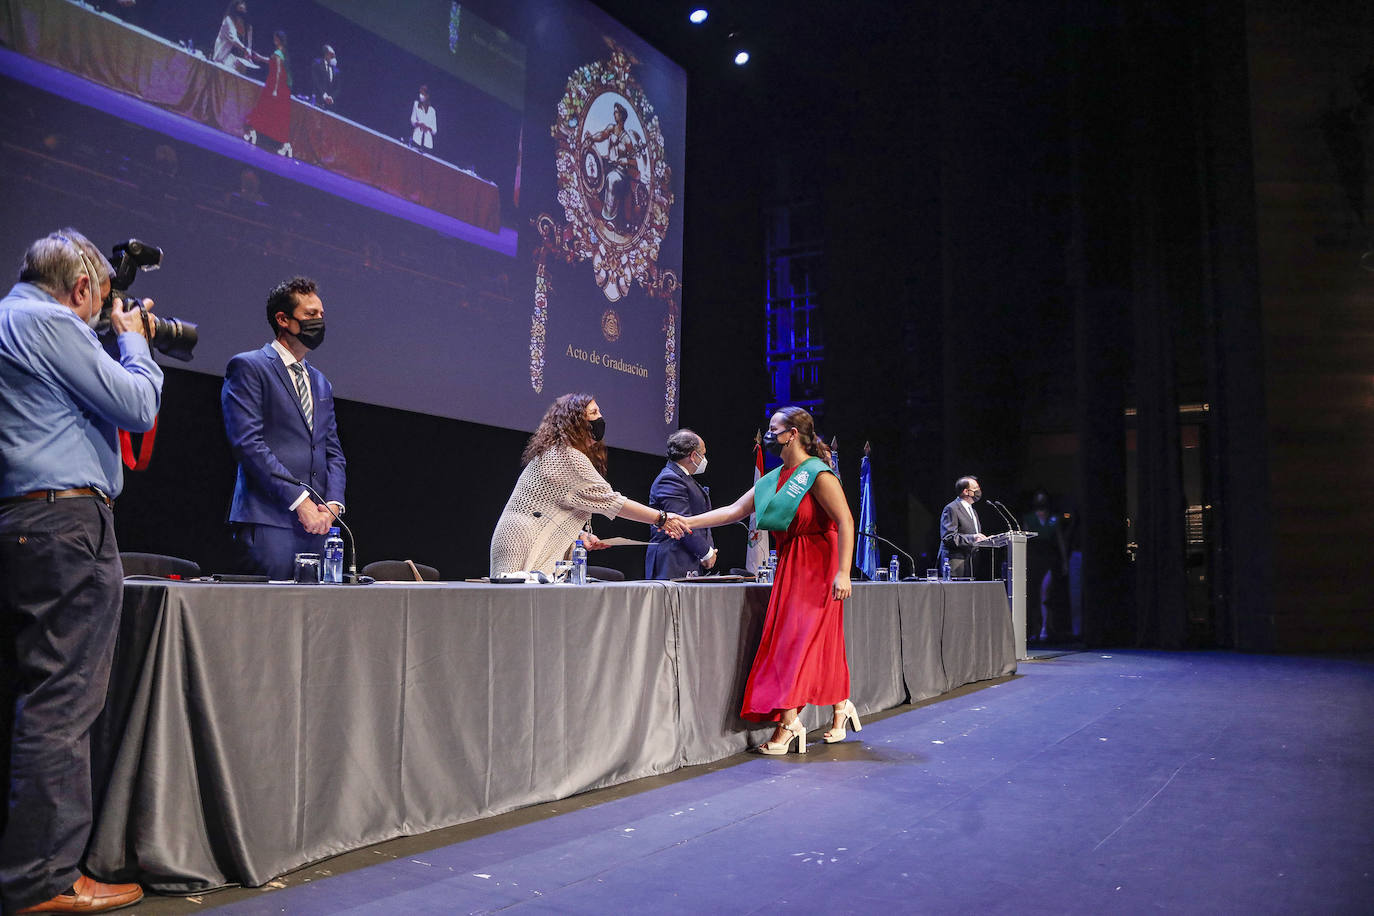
866 550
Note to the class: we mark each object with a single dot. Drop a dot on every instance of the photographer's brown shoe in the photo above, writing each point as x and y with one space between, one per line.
89 896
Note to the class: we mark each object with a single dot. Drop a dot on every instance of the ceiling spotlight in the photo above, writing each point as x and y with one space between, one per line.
741 58
697 16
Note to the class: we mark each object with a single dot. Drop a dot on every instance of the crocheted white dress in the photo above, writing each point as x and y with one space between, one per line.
555 496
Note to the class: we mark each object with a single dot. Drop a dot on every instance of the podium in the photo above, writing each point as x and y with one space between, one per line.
1015 542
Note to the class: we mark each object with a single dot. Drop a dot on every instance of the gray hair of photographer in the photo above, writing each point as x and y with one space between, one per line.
57 261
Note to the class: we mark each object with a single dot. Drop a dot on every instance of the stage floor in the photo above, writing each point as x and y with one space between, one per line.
1091 782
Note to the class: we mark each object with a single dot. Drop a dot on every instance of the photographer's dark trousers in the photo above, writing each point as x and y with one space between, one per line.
61 587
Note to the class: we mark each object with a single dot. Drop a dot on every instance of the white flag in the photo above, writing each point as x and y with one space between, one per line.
756 550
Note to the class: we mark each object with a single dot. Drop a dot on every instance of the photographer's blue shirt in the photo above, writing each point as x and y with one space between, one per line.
63 399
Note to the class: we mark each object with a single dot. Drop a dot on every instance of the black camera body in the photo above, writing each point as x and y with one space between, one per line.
172 336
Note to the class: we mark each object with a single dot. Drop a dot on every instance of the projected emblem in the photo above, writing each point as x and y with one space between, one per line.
613 186
610 326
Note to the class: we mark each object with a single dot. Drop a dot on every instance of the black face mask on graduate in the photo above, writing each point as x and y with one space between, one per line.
311 334
598 428
771 445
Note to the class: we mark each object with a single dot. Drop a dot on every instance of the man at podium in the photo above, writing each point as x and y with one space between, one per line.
960 529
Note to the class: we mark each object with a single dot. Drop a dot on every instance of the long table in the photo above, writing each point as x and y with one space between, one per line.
252 729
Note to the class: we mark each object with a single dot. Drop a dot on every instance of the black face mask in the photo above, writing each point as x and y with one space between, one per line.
598 428
771 445
311 334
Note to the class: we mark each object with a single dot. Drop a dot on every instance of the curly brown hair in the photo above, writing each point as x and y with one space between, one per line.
796 417
565 423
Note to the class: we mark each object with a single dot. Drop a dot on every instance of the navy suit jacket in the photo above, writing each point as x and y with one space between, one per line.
265 423
675 490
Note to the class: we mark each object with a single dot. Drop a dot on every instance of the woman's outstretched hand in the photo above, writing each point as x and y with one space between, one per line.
676 526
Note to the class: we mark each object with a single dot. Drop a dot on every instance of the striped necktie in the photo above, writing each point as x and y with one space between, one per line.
303 392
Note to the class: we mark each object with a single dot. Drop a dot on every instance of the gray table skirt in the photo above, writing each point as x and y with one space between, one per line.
253 729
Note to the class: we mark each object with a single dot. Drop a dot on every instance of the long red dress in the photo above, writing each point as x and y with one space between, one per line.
271 117
801 657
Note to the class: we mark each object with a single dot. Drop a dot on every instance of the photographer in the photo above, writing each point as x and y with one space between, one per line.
62 401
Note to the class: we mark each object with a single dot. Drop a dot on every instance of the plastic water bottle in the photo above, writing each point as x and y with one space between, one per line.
333 557
944 570
765 573
894 570
579 570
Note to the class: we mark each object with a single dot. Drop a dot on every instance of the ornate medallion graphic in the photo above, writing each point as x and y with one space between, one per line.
613 186
610 325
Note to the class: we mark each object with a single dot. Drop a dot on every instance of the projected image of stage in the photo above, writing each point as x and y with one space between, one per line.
404 158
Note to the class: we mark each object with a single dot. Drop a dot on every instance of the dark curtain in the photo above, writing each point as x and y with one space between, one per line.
1196 322
1164 260
1098 261
1240 537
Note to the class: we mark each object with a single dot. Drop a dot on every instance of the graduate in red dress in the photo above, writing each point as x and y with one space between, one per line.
271 117
801 658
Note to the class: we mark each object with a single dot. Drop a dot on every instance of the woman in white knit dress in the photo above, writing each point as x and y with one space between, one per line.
559 490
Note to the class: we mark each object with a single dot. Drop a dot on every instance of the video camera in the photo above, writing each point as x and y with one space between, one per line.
172 336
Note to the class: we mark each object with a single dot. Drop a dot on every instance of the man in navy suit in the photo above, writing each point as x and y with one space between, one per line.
960 529
279 417
676 490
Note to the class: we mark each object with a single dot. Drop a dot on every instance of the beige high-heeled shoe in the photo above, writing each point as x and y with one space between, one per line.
795 732
848 716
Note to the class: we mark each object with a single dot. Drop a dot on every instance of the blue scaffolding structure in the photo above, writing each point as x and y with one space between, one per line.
793 256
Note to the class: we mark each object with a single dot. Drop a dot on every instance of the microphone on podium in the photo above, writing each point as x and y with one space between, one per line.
883 540
1012 524
351 577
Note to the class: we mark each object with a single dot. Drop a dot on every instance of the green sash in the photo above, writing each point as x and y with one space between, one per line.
775 508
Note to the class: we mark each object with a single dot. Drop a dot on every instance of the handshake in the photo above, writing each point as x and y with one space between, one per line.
675 526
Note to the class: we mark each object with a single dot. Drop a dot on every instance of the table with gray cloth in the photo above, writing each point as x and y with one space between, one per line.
954 634
252 729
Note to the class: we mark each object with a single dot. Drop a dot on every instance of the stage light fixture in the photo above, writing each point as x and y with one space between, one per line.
741 58
697 16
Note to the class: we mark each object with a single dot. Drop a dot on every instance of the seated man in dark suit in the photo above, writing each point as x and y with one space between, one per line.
960 529
676 490
279 417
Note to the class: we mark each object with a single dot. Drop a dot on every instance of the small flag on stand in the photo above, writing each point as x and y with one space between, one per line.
866 550
519 155
756 549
